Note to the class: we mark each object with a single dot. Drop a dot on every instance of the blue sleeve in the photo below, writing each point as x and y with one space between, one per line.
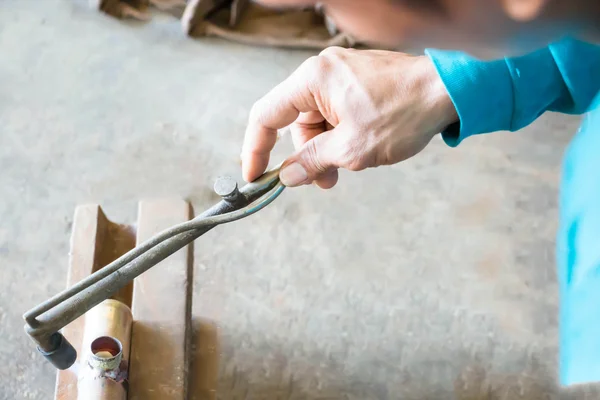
578 255
511 93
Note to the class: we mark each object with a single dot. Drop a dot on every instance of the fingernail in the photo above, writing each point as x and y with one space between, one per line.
293 174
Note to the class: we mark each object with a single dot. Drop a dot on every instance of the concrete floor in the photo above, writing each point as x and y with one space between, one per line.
433 279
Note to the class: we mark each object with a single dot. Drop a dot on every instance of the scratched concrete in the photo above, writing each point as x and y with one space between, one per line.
433 279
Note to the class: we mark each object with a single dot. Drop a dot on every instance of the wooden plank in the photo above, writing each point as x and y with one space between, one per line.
161 308
95 242
204 370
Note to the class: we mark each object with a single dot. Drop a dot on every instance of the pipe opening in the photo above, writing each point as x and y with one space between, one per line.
106 353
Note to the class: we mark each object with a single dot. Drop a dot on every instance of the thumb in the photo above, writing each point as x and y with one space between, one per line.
314 160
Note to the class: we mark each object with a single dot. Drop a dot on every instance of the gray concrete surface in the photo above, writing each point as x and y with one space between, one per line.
433 279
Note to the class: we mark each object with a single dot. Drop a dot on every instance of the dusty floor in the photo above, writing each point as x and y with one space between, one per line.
433 279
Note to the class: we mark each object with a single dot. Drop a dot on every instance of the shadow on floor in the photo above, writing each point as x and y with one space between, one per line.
219 372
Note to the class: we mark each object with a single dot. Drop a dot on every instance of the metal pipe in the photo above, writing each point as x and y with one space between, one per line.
105 352
44 321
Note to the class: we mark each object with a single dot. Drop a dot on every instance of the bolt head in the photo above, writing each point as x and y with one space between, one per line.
225 186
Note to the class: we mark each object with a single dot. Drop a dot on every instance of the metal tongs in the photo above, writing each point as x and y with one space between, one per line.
44 321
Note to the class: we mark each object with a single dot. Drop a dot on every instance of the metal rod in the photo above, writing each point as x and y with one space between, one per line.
250 193
44 320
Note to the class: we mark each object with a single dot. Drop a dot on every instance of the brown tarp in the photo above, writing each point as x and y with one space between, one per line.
240 21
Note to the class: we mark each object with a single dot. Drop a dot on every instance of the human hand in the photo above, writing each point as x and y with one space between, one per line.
351 109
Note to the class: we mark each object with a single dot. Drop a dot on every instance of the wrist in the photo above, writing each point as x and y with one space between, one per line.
436 96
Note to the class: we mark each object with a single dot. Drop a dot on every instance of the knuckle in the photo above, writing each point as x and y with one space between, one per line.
312 64
332 51
256 111
311 157
317 67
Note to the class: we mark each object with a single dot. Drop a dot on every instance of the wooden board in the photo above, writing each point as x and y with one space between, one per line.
161 306
204 369
95 242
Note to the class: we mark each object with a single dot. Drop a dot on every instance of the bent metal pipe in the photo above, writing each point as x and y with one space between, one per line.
44 321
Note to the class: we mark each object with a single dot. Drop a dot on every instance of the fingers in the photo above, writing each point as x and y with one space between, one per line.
306 127
315 161
278 109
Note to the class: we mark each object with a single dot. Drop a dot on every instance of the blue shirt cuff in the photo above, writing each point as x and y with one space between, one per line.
481 92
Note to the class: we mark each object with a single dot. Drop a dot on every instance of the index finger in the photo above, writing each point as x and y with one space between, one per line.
276 110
